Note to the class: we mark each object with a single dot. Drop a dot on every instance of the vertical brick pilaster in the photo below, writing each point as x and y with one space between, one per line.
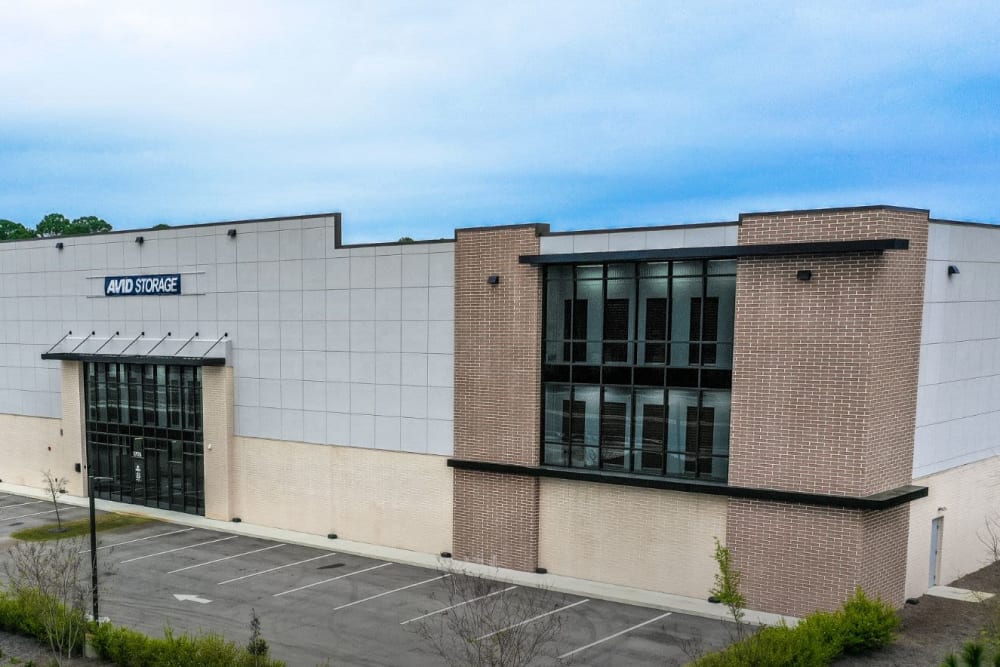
217 413
73 441
497 394
824 401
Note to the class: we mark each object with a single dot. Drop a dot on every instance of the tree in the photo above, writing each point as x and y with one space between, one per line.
55 486
88 224
11 231
57 224
485 623
54 224
48 579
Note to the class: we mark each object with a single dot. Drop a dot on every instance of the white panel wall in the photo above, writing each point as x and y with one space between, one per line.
346 346
682 236
958 397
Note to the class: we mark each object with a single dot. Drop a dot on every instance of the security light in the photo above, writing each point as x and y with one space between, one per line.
953 270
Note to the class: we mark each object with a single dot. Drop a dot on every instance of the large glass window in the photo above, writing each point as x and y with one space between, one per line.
144 430
637 367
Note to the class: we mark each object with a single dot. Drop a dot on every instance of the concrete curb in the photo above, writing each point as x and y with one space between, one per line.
554 582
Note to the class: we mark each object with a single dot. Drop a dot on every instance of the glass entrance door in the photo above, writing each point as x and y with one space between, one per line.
144 430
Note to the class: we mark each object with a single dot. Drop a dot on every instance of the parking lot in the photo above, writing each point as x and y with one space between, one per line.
316 604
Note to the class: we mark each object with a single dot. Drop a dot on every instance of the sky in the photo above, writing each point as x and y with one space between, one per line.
413 118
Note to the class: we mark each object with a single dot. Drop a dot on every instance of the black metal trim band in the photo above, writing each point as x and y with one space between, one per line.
722 252
879 501
136 359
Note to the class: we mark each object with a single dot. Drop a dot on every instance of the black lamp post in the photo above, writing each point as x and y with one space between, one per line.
93 538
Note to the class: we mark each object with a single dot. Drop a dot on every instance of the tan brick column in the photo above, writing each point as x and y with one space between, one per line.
217 413
824 401
73 445
497 394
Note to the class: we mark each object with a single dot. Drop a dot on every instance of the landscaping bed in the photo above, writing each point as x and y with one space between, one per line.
936 627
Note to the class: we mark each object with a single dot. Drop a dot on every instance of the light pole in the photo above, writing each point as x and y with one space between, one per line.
93 538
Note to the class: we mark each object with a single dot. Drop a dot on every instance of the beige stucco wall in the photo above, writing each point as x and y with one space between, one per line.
646 538
395 499
967 497
32 445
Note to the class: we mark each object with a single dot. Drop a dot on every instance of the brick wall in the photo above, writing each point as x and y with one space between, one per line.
796 559
824 401
497 394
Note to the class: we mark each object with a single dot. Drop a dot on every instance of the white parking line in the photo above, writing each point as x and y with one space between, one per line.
617 634
439 611
219 560
33 502
11 518
532 619
170 551
140 539
395 590
280 567
326 581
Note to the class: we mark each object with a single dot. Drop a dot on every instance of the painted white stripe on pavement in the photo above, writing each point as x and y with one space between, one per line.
141 539
532 619
326 581
395 590
170 551
280 567
440 611
11 518
219 560
617 634
33 502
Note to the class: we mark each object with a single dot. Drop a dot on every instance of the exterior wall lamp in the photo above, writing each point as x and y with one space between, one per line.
59 245
231 233
804 274
493 280
140 240
953 270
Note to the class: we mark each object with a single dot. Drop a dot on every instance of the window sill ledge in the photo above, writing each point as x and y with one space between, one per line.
878 501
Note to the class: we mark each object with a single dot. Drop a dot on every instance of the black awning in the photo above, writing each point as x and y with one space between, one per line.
722 252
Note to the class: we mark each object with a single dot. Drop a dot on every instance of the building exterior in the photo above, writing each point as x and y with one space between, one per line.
818 390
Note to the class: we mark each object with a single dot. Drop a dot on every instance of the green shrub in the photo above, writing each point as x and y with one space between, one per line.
34 614
128 648
861 626
868 624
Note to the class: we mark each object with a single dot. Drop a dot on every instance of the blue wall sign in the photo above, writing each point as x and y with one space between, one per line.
166 283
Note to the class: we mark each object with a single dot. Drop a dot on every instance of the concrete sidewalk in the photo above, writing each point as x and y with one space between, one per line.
553 582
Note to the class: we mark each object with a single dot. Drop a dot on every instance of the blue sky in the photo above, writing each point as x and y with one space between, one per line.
414 118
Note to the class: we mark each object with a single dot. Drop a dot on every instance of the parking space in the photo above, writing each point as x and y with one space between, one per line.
316 604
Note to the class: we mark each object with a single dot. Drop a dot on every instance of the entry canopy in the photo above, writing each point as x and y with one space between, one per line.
168 348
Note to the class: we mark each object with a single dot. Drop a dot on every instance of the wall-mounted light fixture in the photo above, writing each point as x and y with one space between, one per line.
493 280
59 245
231 233
140 240
953 270
804 274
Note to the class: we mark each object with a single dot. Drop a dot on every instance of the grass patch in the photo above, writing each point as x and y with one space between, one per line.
79 527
